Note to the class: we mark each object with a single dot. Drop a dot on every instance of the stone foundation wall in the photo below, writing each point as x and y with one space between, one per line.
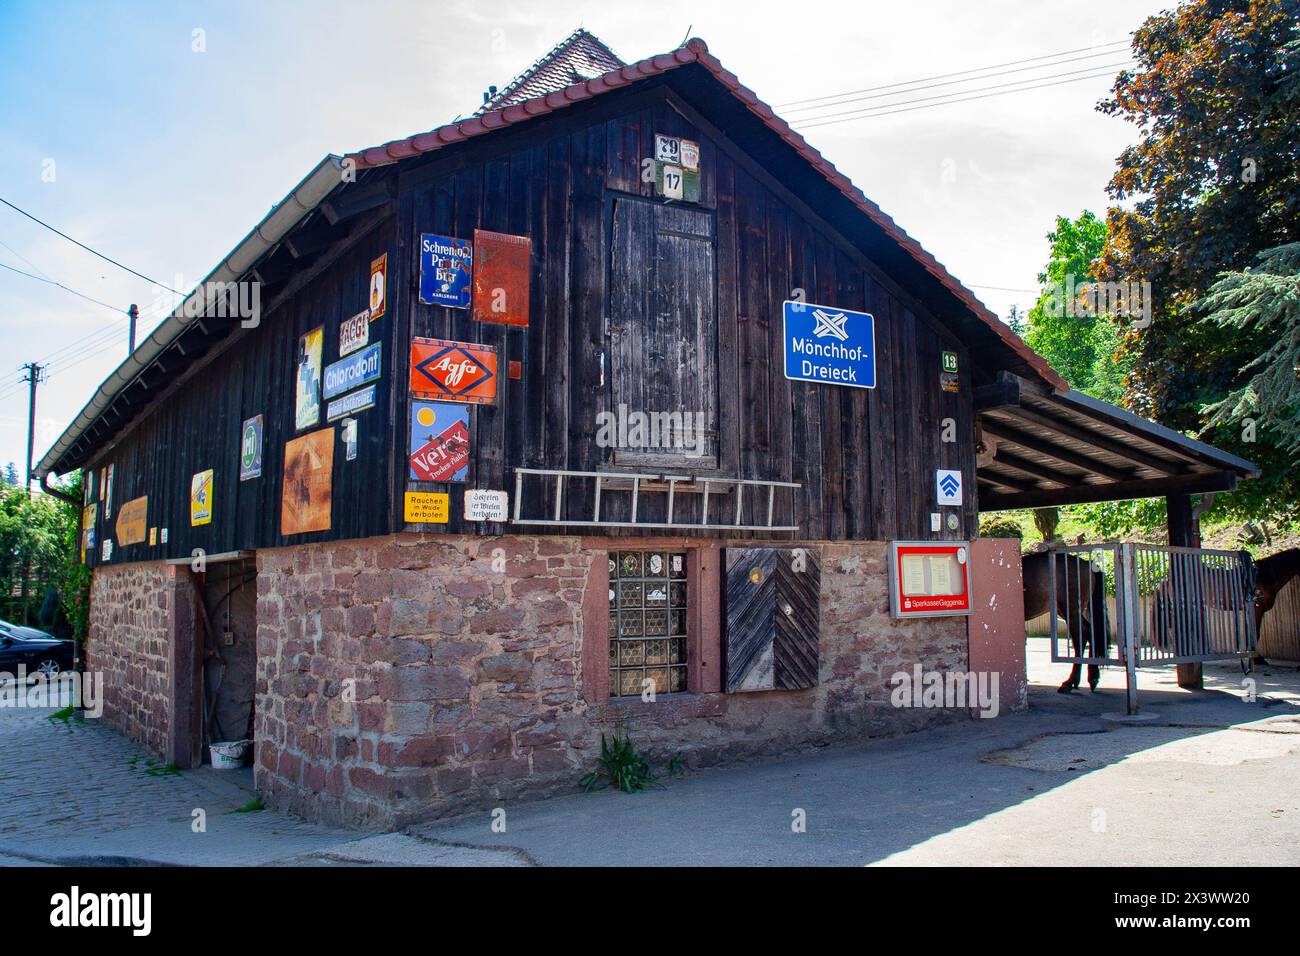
413 675
132 610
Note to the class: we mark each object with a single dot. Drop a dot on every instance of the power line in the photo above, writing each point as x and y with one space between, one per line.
947 102
971 79
88 298
943 76
86 247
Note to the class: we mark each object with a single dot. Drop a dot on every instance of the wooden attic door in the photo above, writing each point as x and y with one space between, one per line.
663 332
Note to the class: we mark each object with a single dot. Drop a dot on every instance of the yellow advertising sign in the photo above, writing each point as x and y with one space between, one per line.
426 507
88 530
132 521
201 498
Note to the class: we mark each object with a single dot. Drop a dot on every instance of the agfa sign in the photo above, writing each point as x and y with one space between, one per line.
829 345
453 371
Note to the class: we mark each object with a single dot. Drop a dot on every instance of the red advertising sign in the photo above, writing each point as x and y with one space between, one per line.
378 287
929 578
501 268
443 455
453 371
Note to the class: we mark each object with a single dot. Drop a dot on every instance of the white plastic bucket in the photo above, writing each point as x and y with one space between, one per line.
229 755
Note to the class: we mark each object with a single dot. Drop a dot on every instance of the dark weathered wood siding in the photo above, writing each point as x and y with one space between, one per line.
866 458
197 425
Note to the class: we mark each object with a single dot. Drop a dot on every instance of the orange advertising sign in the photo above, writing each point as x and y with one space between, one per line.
501 269
453 371
131 521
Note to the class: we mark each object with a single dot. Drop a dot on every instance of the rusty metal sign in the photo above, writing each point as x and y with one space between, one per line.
501 270
307 493
453 371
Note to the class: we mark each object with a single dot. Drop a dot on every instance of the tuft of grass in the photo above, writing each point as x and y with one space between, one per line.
675 768
252 806
619 765
65 715
164 770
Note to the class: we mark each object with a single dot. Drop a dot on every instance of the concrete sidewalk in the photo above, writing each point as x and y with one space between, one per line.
1212 782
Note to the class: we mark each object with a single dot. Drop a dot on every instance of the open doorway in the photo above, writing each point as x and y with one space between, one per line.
227 632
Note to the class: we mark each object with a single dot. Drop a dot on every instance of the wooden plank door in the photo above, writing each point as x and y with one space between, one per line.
773 619
663 328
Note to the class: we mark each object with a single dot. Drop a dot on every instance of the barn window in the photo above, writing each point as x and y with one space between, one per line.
647 622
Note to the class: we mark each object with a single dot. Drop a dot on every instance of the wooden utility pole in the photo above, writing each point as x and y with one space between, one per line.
35 373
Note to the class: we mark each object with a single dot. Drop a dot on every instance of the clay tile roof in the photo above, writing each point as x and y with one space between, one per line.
579 56
695 51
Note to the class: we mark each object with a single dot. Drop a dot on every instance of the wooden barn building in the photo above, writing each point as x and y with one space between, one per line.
601 409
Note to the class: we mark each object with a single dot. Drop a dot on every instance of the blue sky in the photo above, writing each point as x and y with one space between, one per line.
162 147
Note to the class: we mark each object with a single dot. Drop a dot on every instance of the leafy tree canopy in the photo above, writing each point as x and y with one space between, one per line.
1079 343
1213 180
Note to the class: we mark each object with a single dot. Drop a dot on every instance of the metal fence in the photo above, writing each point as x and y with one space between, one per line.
1147 604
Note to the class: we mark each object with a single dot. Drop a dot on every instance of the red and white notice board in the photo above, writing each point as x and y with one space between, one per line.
929 578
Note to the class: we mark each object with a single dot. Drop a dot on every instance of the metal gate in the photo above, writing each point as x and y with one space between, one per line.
1138 605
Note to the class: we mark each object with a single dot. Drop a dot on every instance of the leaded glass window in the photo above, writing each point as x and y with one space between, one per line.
647 622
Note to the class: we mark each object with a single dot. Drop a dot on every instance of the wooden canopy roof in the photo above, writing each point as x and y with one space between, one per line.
1040 447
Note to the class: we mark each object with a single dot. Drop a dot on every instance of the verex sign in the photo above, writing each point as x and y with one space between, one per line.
829 345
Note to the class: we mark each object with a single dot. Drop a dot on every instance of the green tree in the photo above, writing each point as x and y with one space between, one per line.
1079 343
39 551
1263 407
1213 180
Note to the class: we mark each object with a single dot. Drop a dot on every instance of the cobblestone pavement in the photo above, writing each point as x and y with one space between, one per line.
76 792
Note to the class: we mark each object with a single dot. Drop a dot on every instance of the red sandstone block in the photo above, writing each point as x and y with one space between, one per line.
483 740
513 667
497 621
431 682
368 781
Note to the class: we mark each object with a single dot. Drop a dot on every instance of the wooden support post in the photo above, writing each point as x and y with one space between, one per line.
1184 533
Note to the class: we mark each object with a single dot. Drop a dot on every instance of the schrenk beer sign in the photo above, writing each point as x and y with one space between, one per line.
453 371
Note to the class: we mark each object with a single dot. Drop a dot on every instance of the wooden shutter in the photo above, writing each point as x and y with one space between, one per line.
663 320
773 619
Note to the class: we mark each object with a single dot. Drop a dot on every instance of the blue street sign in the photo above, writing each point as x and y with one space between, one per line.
829 345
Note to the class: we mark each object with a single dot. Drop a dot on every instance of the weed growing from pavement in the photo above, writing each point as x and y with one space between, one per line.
623 766
252 806
163 770
65 715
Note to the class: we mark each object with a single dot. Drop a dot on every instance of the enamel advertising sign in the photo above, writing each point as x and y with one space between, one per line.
439 441
250 449
378 287
132 521
445 268
360 368
453 371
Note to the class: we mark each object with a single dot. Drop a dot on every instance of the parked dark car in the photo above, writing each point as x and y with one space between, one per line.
39 651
